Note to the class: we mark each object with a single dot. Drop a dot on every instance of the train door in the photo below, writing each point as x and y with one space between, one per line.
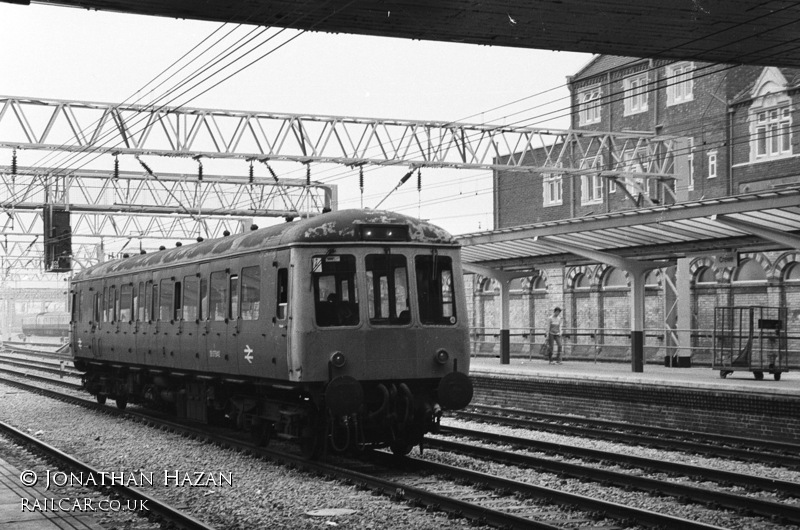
278 316
192 351
138 314
108 329
145 328
221 358
125 325
249 332
147 335
169 324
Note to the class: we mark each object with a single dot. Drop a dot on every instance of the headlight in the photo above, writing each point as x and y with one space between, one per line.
442 356
338 359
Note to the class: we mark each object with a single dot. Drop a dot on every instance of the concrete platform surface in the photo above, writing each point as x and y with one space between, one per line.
653 374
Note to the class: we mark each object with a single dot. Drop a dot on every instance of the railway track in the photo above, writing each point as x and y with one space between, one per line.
53 351
169 515
630 478
493 500
64 369
767 452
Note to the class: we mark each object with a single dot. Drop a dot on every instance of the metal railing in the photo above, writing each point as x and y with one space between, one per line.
608 344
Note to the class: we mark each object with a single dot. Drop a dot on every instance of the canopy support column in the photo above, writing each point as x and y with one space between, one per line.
637 270
504 279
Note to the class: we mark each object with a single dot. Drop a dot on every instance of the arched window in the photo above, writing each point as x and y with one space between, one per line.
582 281
651 280
538 283
792 273
516 285
706 275
615 279
490 286
750 271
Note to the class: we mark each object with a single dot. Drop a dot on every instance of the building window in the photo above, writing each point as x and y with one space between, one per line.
591 184
690 159
589 106
680 83
552 189
712 164
773 133
635 97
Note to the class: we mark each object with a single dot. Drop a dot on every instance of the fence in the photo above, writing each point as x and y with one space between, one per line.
608 344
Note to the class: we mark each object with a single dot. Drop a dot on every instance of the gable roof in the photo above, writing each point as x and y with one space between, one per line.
601 64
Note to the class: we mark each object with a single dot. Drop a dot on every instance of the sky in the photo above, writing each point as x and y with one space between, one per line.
76 54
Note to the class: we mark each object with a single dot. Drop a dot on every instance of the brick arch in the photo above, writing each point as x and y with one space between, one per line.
590 271
782 264
604 270
758 257
528 281
659 277
483 283
700 264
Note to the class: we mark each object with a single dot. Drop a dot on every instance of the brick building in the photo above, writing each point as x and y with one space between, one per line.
735 131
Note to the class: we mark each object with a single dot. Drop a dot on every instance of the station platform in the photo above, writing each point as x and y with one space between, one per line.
690 399
653 374
14 515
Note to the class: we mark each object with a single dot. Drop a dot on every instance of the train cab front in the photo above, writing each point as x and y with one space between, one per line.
385 329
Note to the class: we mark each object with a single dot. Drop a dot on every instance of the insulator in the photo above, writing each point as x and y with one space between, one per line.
419 179
116 168
308 174
361 178
199 170
14 162
250 176
272 172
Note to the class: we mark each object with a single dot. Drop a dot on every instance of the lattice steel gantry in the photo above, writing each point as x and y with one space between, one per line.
136 206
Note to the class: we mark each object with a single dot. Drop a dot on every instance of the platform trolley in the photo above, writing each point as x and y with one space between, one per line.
751 338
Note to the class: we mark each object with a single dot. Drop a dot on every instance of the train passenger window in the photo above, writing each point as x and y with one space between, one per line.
191 294
251 292
147 297
112 304
140 302
137 290
105 305
283 294
125 302
387 289
218 296
177 298
97 307
203 299
435 289
165 301
335 294
233 306
153 302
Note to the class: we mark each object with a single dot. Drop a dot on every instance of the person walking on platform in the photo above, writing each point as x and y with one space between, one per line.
554 334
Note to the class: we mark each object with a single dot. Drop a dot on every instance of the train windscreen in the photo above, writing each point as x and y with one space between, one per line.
435 289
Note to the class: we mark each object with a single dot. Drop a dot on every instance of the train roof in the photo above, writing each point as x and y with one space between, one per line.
332 227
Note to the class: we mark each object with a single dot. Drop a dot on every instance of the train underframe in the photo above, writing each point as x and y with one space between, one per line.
340 415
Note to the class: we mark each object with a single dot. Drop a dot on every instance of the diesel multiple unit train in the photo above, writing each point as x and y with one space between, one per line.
47 324
347 329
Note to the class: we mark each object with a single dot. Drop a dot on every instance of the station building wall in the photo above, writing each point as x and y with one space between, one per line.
596 304
722 117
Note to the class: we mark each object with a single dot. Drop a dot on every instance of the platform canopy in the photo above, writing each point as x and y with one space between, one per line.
721 31
744 223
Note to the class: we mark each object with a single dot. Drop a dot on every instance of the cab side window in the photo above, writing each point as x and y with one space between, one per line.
283 294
